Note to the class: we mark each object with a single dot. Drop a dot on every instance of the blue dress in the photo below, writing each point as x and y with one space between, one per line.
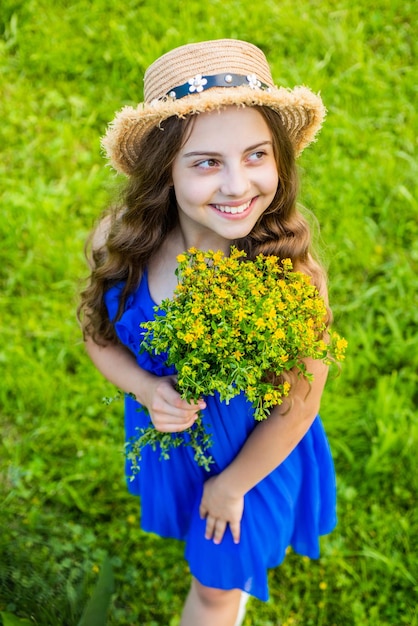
292 506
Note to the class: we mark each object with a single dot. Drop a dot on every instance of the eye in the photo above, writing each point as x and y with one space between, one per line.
207 164
256 156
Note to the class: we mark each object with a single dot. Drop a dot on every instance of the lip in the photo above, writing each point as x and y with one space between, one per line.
234 205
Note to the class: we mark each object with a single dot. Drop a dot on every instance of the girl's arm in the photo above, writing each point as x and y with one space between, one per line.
168 411
268 445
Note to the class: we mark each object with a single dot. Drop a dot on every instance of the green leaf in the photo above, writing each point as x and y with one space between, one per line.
12 620
95 613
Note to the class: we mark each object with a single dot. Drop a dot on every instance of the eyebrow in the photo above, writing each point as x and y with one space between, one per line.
209 153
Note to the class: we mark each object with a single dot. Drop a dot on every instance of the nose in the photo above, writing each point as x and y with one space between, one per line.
235 181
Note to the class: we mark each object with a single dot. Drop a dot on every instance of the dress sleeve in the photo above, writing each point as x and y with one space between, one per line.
138 308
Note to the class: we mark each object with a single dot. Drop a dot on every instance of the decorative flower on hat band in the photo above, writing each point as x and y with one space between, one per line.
253 81
197 83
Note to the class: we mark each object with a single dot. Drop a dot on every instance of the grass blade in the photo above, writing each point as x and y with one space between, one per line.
95 613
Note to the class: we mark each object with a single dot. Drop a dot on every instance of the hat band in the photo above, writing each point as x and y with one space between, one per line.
200 83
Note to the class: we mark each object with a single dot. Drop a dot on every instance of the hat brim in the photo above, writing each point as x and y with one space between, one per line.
302 113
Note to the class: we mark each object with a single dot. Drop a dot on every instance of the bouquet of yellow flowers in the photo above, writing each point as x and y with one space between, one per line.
236 326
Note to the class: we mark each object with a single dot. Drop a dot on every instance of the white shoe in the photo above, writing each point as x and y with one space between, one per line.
241 610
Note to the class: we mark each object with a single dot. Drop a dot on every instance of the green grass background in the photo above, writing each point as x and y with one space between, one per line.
65 68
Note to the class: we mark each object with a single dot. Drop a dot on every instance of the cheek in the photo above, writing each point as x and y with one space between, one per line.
196 190
272 179
188 194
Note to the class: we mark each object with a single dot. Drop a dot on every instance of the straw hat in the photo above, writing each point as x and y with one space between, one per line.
202 77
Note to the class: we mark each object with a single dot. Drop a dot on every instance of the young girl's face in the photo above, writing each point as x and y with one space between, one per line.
225 176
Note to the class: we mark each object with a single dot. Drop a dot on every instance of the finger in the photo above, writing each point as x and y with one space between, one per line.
219 531
235 531
172 397
210 527
202 511
181 408
172 424
199 403
185 422
171 413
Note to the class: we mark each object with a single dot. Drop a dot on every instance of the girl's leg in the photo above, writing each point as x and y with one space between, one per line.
207 606
241 610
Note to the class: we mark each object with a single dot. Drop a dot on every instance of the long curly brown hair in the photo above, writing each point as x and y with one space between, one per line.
132 231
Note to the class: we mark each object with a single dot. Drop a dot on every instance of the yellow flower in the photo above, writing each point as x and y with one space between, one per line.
240 315
220 293
181 258
199 329
236 254
341 344
251 393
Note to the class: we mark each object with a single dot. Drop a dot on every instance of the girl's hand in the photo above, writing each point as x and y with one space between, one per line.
168 411
220 509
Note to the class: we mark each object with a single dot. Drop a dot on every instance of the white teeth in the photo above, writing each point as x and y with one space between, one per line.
232 209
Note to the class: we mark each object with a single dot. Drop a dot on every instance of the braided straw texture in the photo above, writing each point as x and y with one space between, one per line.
207 58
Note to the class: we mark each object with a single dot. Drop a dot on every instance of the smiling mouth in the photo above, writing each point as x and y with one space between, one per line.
226 208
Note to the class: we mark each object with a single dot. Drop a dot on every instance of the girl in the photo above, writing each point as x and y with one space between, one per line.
210 158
